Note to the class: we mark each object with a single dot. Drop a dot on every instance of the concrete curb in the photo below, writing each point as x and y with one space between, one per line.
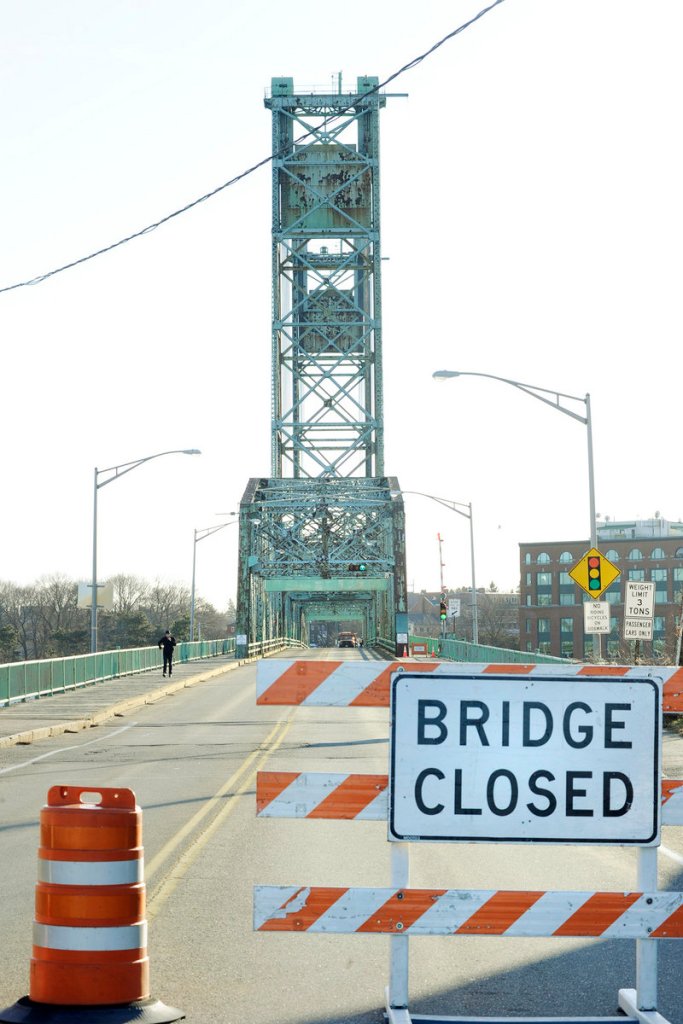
97 717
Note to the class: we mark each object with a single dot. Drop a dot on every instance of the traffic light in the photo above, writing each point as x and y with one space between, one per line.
443 611
594 573
358 567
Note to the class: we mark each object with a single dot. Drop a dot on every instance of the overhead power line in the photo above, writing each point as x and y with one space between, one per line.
250 170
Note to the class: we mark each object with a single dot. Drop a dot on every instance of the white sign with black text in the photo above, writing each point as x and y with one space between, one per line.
639 610
639 600
511 759
596 617
454 606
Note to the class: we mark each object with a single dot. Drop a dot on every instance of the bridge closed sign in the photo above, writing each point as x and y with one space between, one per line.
506 759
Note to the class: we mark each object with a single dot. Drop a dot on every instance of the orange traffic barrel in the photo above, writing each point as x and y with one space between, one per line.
89 931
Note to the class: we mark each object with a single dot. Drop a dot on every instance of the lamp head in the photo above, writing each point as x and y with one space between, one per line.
445 374
191 451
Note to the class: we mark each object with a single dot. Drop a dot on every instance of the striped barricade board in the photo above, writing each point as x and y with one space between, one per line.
605 915
345 796
644 915
367 683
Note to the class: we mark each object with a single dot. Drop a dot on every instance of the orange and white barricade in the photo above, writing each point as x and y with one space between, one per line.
400 911
89 932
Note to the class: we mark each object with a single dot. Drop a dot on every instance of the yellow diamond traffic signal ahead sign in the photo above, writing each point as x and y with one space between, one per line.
594 573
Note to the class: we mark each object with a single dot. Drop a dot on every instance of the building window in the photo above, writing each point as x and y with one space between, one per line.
657 553
544 600
660 596
542 558
567 598
528 599
567 625
527 628
612 555
612 596
527 558
678 553
544 579
528 645
636 574
635 554
567 648
659 574
678 573
566 556
528 579
658 624
543 626
566 580
613 648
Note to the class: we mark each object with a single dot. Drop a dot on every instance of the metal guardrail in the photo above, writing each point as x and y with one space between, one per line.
459 650
26 680
256 650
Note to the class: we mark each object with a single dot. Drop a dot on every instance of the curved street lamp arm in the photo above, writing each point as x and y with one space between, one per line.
530 389
126 467
206 531
457 506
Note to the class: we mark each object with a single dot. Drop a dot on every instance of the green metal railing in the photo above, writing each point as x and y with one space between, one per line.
458 650
264 647
25 680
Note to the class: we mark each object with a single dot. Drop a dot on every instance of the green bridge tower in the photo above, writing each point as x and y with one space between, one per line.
322 540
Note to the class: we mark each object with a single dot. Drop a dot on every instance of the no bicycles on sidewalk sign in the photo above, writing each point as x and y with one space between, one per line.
510 759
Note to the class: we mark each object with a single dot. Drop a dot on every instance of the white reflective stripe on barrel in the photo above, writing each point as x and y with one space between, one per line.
79 872
52 936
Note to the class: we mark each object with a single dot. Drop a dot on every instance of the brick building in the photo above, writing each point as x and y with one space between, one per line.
551 604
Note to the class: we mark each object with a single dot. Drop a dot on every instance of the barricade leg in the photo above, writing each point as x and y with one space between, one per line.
641 1002
397 991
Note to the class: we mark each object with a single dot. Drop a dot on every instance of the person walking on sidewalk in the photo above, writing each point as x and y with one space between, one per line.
168 643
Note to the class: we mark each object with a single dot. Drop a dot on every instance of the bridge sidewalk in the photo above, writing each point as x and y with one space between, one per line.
94 703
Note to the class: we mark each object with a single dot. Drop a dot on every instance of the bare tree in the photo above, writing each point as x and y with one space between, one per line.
166 602
130 593
18 606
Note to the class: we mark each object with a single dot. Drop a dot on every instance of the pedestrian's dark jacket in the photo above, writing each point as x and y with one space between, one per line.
168 643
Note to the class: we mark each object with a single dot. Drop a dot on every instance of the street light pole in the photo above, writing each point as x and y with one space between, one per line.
458 506
202 535
540 395
115 472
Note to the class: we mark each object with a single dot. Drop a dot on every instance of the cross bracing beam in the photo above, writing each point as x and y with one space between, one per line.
307 543
327 366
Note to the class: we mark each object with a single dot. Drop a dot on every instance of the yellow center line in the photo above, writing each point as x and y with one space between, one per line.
170 882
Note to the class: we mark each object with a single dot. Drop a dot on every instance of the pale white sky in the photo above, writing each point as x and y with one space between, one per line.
531 213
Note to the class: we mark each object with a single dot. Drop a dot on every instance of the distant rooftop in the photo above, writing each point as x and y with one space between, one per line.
638 529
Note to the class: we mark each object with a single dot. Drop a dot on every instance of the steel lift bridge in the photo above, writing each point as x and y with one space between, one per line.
322 540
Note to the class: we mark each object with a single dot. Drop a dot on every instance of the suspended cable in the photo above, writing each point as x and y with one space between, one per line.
250 170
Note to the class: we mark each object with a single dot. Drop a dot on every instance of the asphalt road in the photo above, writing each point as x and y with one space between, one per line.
191 759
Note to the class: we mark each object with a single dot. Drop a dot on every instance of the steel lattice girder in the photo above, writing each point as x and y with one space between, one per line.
299 540
327 365
319 528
